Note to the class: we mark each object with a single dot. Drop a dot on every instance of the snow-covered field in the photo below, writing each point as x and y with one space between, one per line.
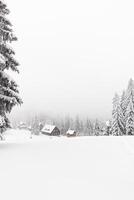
59 168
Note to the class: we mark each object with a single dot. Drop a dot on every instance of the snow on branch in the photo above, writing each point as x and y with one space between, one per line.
11 100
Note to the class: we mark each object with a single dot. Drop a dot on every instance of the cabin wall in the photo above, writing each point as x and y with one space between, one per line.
55 132
71 135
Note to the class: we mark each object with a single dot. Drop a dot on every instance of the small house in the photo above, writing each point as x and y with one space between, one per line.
22 126
50 130
71 133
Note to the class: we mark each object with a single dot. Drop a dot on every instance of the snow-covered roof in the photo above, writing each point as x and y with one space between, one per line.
48 128
71 132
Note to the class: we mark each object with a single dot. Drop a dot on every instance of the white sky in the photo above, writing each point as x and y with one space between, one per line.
74 54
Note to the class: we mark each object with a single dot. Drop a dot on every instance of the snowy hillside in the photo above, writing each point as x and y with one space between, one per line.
60 168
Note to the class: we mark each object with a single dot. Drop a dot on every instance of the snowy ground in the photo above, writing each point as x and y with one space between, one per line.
44 168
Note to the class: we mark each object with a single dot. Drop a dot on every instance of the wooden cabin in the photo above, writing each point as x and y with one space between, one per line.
71 133
22 126
50 130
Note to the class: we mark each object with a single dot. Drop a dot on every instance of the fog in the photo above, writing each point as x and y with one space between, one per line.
74 55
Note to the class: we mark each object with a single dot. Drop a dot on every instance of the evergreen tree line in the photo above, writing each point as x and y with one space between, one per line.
122 122
123 112
83 127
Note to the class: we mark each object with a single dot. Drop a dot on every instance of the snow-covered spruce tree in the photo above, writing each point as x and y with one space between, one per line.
130 118
129 104
123 102
123 111
117 117
8 87
107 128
129 95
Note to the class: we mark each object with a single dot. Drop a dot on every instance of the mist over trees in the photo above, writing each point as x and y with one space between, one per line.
83 126
121 123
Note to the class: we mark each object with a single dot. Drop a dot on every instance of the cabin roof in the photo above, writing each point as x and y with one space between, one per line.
71 132
48 128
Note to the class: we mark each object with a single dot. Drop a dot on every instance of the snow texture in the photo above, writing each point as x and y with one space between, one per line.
6 76
51 168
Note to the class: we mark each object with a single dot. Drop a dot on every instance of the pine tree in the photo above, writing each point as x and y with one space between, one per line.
81 127
67 123
88 128
117 117
129 114
107 128
123 102
123 112
62 127
8 87
97 128
129 96
77 124
130 118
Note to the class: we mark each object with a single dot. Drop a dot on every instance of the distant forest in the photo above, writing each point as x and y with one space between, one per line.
121 122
